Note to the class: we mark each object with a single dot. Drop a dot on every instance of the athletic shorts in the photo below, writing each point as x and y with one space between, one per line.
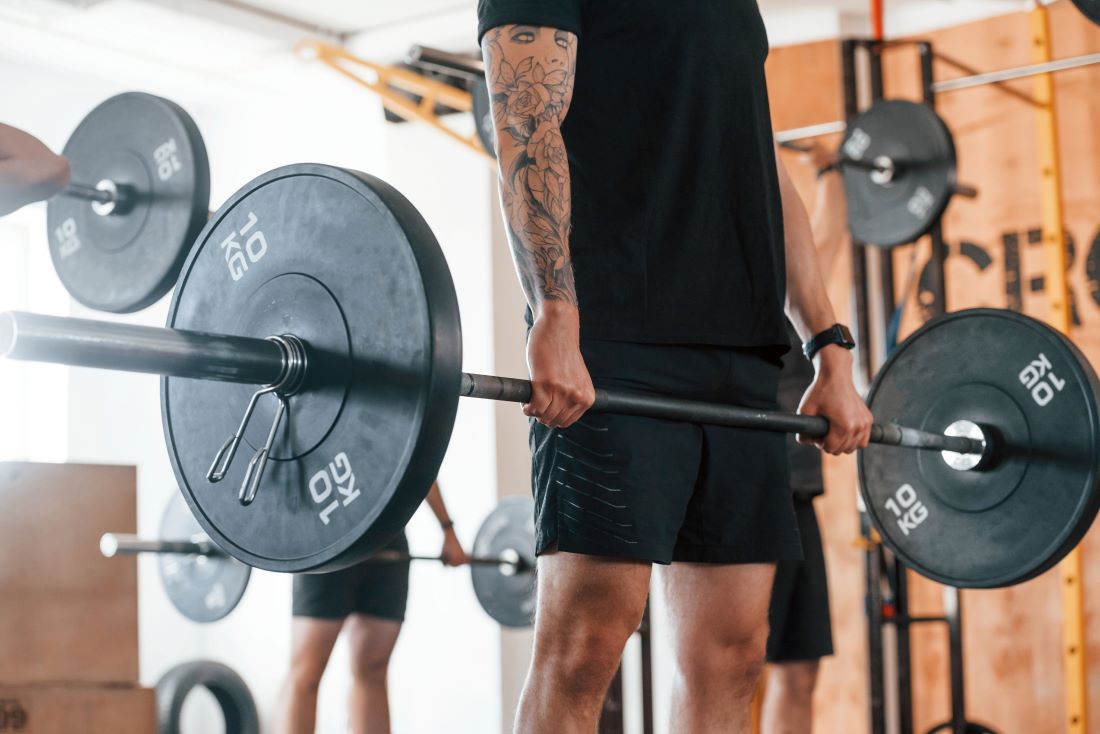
376 589
801 629
663 491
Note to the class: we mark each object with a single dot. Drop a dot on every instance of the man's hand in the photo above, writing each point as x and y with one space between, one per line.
561 389
833 395
452 552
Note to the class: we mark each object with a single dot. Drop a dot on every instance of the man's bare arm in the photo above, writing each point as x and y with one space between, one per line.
452 552
530 71
29 171
832 393
807 300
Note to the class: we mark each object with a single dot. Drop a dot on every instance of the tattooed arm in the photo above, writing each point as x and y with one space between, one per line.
530 71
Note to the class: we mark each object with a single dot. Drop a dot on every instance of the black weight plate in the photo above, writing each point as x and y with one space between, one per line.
1008 523
509 529
125 261
1091 9
203 588
345 263
907 207
483 116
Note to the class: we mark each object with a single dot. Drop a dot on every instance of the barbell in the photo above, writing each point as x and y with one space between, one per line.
205 584
318 304
140 195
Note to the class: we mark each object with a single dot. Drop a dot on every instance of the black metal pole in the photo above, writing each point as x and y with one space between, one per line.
129 348
655 406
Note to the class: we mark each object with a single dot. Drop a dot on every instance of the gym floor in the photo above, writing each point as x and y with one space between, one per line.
260 105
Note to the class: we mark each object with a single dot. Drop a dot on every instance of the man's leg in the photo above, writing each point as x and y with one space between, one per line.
588 607
311 644
371 641
788 698
719 616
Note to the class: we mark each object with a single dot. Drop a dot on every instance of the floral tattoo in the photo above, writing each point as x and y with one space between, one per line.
531 94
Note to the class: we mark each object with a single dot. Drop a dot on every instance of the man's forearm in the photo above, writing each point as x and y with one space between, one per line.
530 75
830 222
438 508
807 301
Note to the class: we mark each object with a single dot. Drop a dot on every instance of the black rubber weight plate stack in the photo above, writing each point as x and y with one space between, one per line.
127 260
1091 9
1011 522
345 263
508 531
919 143
483 116
203 588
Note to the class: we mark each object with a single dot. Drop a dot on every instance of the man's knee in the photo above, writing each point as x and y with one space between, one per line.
370 665
725 658
584 654
306 674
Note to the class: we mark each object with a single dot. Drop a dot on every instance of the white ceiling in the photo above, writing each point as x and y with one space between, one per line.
228 41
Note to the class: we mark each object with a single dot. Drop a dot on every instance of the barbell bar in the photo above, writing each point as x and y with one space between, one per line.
206 584
168 352
124 544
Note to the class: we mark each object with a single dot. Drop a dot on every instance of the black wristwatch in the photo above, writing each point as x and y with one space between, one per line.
836 334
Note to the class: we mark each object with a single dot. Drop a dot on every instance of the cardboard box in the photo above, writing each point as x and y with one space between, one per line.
67 614
77 710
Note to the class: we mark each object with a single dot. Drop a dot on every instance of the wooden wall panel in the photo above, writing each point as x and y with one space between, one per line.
1013 636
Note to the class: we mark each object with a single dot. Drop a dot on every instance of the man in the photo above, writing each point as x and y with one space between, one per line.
29 171
656 240
368 601
799 620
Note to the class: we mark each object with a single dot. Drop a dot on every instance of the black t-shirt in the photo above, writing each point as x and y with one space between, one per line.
805 461
677 221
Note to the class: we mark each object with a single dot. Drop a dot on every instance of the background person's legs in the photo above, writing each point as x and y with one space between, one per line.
801 631
311 645
371 641
719 628
788 698
588 607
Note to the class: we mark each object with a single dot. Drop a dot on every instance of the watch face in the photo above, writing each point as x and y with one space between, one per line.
845 336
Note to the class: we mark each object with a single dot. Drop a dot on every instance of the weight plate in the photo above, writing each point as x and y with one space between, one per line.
1010 522
508 532
970 727
126 260
895 212
1091 9
203 588
483 116
345 263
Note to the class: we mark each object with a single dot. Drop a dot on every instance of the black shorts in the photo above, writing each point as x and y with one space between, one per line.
375 589
801 628
662 491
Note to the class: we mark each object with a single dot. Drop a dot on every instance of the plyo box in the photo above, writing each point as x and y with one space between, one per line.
67 614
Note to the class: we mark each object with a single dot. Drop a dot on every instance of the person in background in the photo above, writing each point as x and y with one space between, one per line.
800 626
367 601
29 170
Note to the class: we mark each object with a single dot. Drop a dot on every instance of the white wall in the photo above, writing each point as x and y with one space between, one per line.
280 111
